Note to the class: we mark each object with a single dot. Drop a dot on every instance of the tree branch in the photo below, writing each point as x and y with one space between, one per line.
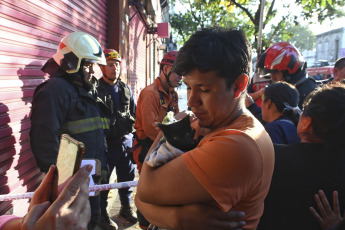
244 9
269 12
192 13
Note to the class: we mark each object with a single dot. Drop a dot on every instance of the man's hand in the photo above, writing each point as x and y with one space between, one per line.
71 210
199 216
329 218
249 100
44 191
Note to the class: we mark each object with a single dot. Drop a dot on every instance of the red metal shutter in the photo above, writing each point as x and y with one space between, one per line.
137 53
30 32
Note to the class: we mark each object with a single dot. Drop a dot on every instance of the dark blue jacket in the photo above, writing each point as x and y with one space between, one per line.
119 100
282 131
59 107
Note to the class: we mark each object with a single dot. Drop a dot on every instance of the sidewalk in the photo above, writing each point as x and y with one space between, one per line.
114 206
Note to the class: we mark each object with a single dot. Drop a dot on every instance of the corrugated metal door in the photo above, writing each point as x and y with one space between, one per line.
137 52
30 32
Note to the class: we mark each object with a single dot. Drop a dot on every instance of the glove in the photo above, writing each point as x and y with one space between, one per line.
104 177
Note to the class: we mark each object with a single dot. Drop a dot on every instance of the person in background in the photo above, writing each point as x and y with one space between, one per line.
119 99
71 209
154 102
231 167
284 62
67 104
257 85
279 112
339 69
317 163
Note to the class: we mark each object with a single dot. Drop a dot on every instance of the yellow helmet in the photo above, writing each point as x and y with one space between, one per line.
74 48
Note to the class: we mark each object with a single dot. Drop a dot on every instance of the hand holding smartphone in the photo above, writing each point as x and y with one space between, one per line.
68 162
69 157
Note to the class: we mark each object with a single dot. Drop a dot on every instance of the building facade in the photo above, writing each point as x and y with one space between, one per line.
30 32
330 45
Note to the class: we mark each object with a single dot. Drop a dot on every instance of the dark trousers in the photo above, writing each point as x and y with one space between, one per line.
125 171
95 202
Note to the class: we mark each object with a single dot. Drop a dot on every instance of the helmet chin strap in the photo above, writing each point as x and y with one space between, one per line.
108 77
112 80
167 78
297 78
93 80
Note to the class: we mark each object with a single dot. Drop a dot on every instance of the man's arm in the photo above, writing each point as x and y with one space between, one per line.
132 104
155 184
195 216
254 109
151 178
150 114
47 116
203 174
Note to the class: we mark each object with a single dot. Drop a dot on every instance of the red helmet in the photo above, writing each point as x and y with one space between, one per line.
169 58
281 56
111 54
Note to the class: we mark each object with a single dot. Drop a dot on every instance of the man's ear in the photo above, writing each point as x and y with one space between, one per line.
269 103
305 124
165 69
240 85
335 71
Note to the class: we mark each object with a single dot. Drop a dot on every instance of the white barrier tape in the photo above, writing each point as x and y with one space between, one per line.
102 187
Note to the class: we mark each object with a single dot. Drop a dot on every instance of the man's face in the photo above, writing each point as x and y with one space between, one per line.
211 102
174 78
277 76
339 74
88 71
112 70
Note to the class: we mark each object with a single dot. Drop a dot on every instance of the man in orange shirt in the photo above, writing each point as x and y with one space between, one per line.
153 104
232 166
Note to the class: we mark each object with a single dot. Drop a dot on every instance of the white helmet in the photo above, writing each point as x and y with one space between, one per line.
74 48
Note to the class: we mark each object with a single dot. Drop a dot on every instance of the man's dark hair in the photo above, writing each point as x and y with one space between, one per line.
225 51
340 63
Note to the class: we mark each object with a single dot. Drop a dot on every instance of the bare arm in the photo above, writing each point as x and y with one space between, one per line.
195 216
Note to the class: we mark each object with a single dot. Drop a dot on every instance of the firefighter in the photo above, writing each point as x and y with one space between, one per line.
154 102
66 103
284 62
119 99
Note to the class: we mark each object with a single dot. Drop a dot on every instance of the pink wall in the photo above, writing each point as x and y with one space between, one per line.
30 32
137 53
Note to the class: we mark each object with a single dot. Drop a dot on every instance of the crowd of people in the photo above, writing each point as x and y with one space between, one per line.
264 165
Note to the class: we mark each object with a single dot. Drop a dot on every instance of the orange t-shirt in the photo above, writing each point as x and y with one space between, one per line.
235 165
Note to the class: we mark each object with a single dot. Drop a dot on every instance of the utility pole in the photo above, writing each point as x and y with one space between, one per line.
262 7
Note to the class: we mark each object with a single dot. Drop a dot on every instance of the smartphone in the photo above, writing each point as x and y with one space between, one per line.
69 157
